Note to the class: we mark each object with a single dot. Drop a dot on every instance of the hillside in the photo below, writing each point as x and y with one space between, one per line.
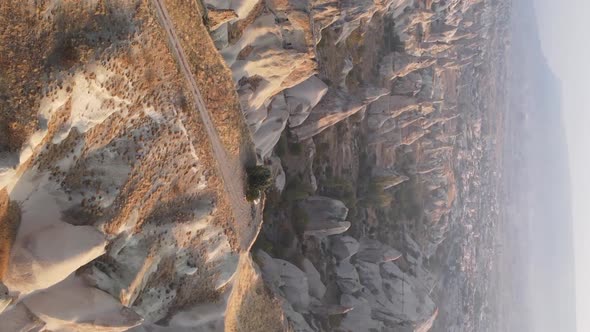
128 128
541 215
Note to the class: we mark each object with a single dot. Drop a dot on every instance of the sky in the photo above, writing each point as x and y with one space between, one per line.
565 36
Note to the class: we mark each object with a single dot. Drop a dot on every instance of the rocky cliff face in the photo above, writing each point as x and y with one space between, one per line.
377 118
401 128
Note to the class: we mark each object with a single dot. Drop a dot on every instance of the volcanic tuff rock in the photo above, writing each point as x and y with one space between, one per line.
343 247
395 93
5 298
403 127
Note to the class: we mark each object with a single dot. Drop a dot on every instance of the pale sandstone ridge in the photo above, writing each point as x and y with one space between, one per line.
120 218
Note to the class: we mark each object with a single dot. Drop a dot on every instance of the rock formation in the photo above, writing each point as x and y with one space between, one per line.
385 111
398 135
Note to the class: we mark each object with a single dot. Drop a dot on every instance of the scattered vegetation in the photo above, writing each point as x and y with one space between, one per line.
211 73
259 179
10 215
44 47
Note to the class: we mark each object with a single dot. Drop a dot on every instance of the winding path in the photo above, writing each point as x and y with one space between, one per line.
231 172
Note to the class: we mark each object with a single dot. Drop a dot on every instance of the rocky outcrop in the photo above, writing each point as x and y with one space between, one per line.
269 49
360 318
343 247
324 208
347 277
345 16
267 123
34 255
278 173
336 106
218 17
301 99
374 251
294 285
19 318
323 228
406 292
290 286
5 298
317 288
75 306
380 294
326 216
415 115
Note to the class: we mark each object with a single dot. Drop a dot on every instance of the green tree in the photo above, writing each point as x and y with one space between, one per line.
259 179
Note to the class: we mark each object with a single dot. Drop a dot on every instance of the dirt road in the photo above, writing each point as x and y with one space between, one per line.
231 171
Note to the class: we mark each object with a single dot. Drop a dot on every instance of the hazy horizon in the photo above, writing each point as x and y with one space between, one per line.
562 30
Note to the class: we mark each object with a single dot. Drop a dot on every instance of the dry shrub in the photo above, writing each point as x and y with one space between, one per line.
10 215
35 49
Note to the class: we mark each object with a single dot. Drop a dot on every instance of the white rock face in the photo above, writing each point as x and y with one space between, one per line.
302 98
317 288
268 129
133 263
343 247
47 249
326 216
375 251
73 306
19 319
273 61
324 208
360 317
266 60
44 258
204 317
406 292
347 278
285 280
295 286
323 228
337 105
270 270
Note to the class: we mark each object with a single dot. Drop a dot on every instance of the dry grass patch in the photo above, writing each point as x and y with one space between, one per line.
39 45
212 75
10 215
21 65
251 306
53 41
